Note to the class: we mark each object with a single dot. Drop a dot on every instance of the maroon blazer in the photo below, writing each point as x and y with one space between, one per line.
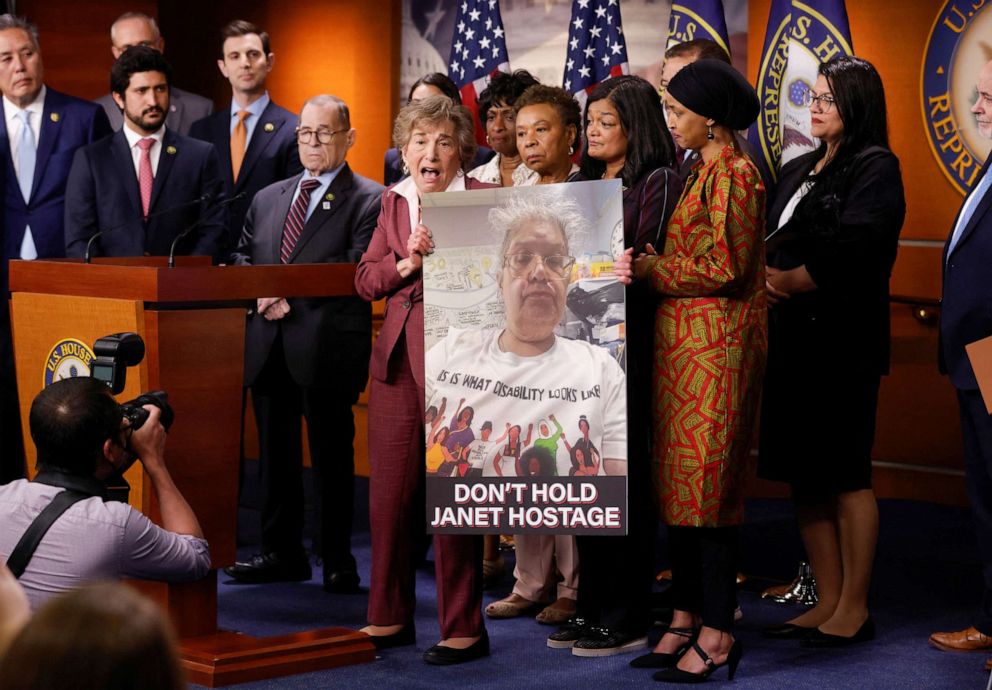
377 277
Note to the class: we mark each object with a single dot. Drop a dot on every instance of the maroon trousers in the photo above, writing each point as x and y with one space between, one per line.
397 514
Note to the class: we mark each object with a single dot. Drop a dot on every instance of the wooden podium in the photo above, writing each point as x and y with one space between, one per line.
192 319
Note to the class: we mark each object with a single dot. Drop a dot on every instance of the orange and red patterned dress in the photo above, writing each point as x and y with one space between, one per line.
711 339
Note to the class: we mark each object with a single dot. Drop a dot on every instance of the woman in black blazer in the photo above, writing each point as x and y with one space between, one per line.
833 230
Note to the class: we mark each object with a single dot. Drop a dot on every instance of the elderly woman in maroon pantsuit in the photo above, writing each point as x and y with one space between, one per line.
436 139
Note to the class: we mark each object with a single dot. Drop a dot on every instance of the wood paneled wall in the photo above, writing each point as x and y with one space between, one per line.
320 46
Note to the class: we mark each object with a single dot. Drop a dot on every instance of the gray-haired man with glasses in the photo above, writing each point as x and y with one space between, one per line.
309 357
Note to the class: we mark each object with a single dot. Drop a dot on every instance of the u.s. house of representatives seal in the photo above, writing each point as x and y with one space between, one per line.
69 358
959 45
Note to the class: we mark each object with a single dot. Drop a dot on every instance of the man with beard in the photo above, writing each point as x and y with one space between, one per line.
145 185
139 29
965 318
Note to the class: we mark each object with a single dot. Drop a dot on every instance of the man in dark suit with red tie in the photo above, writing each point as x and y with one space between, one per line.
965 317
309 357
39 132
254 138
145 187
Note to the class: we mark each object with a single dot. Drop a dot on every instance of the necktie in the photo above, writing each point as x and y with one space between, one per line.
296 219
970 205
27 152
145 177
239 137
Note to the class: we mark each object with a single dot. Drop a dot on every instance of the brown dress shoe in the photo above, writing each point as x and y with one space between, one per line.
969 640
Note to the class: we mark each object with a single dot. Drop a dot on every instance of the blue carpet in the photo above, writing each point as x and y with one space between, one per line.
927 578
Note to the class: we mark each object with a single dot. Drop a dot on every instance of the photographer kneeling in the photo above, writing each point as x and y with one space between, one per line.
82 440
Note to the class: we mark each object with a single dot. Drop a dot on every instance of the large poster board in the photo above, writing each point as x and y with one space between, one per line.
524 326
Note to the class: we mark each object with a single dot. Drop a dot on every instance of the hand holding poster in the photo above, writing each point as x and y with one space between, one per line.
526 420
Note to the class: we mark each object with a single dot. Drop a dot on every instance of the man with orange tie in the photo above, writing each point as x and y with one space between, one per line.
254 137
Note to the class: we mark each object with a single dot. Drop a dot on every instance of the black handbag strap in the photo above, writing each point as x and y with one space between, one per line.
664 206
22 553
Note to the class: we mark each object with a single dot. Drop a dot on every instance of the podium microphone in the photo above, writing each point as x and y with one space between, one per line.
161 212
199 222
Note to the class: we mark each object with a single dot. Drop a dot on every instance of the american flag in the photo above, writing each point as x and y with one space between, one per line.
478 49
596 49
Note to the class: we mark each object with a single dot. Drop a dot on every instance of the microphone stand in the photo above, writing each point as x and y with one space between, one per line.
198 223
156 214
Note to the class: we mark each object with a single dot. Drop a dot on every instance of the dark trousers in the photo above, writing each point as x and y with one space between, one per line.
617 573
11 438
704 572
280 404
397 515
976 427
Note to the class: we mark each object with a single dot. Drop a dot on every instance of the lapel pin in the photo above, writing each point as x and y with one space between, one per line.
329 197
171 150
327 205
172 108
55 117
269 126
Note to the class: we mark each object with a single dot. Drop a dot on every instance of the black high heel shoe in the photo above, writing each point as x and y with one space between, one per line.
665 660
677 675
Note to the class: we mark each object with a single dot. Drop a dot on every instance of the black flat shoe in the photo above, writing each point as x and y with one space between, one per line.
677 675
404 636
820 640
445 656
786 631
666 660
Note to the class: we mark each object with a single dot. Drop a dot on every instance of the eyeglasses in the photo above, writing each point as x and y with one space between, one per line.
524 262
826 102
324 136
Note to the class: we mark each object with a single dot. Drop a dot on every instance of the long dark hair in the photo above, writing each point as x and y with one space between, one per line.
441 81
860 101
649 144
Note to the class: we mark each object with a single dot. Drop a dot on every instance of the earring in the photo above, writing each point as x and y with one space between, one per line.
709 132
571 149
487 139
405 169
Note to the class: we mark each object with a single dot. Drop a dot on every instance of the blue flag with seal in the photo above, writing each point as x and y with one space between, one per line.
799 36
695 19
956 51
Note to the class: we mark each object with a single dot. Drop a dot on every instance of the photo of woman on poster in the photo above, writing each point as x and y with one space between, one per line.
525 367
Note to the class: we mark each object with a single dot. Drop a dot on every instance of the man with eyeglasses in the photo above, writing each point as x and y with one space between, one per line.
139 29
254 137
309 357
965 318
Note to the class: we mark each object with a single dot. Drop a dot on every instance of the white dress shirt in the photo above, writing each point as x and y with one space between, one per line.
407 189
155 152
14 124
